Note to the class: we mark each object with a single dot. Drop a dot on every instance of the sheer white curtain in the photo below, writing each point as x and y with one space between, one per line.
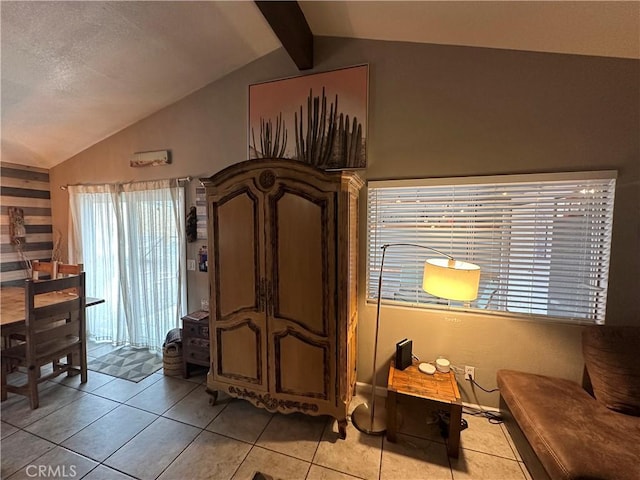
130 239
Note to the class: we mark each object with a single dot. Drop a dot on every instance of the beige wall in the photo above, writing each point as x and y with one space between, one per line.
434 111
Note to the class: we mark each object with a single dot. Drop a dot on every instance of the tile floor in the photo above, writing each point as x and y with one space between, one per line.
164 428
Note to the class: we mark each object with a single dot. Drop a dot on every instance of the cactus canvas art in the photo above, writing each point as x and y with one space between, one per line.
320 119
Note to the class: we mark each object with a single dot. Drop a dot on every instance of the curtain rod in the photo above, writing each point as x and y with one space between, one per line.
181 179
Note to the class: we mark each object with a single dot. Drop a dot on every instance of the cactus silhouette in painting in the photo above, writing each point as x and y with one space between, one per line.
272 144
327 142
348 150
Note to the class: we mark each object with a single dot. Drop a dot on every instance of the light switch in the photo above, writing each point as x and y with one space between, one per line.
191 264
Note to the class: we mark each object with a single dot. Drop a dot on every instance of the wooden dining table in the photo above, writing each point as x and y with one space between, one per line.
12 313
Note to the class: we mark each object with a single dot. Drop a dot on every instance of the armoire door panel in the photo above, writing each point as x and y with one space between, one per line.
236 243
301 223
239 352
301 366
301 262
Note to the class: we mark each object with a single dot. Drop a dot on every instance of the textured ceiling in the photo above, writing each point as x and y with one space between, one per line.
74 73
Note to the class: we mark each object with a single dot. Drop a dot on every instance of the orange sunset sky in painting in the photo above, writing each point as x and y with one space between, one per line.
267 100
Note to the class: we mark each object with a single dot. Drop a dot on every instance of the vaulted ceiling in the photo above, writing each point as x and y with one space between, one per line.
76 72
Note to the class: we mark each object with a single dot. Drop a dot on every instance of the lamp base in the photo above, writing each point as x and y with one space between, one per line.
361 419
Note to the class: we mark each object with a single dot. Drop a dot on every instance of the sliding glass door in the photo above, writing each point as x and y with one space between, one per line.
130 239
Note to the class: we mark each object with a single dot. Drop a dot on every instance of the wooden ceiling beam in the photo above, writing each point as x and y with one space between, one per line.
288 23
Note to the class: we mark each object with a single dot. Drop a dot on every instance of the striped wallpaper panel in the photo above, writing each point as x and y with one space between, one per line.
26 188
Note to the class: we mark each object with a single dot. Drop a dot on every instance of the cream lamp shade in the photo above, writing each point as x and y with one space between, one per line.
451 279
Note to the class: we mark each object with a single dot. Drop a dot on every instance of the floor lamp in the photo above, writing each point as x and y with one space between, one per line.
443 277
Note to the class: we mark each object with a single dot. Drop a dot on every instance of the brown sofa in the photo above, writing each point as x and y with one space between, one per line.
562 431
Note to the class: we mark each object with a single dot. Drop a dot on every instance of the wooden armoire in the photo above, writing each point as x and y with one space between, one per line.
283 238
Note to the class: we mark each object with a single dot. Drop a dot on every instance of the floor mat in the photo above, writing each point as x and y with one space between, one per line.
130 363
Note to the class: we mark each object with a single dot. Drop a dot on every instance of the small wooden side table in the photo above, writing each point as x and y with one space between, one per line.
195 340
440 388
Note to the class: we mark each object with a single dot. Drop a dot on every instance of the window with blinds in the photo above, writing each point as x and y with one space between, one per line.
542 241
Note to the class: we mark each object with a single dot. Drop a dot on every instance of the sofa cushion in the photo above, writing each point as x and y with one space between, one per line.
573 435
611 357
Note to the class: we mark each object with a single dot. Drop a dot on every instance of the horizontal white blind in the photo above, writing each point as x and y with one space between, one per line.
542 242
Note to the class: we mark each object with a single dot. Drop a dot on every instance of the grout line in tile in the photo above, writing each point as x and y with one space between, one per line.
59 444
449 462
275 451
170 407
86 426
89 472
511 443
130 440
488 453
181 452
174 420
12 433
338 471
265 427
525 470
227 436
117 470
129 398
308 470
64 448
61 406
315 452
243 460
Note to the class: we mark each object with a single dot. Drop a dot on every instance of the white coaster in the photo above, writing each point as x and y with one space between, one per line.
427 368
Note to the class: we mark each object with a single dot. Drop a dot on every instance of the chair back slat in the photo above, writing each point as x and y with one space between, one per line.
57 285
70 268
58 332
46 323
57 309
48 268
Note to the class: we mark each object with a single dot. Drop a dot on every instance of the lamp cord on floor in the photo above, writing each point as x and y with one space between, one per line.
492 417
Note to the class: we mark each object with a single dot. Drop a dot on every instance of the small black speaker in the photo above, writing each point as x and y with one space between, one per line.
403 354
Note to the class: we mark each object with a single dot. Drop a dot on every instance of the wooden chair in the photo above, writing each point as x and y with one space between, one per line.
47 268
53 331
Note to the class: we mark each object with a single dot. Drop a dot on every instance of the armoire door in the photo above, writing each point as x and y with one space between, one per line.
301 271
237 265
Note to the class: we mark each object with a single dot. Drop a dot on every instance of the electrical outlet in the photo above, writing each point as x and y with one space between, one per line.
469 372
